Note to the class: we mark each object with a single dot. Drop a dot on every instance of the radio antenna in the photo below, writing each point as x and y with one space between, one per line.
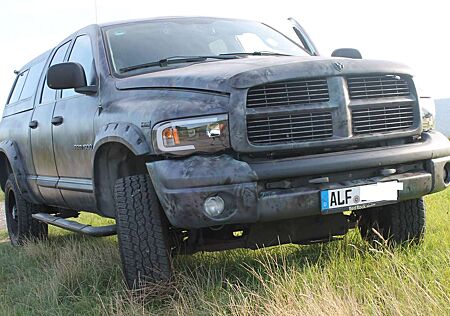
96 15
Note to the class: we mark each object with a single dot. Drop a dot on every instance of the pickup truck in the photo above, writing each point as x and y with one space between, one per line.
206 134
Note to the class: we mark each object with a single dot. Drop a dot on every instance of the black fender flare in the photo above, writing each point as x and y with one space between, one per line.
10 150
126 134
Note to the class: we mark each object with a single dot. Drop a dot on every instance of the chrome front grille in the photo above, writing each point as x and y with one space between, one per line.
291 92
275 129
379 86
384 118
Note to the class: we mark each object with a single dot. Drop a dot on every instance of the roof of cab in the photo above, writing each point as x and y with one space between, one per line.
108 24
166 18
38 59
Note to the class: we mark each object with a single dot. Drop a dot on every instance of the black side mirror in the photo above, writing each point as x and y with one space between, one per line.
347 53
66 76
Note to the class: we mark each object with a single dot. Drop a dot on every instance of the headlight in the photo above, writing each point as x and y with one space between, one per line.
428 111
203 134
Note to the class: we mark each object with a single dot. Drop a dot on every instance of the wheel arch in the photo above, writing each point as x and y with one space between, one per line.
11 163
127 134
5 169
120 150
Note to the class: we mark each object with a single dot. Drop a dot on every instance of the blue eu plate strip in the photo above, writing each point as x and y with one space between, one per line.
324 200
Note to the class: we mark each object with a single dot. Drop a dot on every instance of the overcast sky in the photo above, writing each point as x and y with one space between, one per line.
414 32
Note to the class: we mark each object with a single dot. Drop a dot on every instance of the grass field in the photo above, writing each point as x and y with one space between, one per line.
71 275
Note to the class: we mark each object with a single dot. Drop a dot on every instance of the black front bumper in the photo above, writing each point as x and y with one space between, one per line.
183 185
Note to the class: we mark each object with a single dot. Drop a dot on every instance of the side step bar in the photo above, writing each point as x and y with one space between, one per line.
99 231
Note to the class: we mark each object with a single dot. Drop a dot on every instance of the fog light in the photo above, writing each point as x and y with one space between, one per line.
214 206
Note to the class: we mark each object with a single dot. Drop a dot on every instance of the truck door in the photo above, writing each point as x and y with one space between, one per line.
41 137
73 133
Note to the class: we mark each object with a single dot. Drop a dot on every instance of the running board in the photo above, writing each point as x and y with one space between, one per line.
99 231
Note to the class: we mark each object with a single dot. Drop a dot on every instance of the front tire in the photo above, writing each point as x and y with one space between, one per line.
399 223
142 231
19 220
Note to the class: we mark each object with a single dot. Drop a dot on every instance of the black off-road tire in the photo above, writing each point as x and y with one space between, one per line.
21 226
142 230
399 223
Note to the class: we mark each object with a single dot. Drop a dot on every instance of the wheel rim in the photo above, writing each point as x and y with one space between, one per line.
14 213
12 218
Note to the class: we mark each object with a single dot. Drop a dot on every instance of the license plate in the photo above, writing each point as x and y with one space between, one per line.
359 197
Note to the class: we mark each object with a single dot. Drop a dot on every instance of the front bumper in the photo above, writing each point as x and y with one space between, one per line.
254 193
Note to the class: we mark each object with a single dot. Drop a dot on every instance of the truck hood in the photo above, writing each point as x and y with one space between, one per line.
241 73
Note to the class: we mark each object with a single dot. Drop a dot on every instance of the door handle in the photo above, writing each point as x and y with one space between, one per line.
57 120
33 124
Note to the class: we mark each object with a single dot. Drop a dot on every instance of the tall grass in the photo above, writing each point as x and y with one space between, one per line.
70 275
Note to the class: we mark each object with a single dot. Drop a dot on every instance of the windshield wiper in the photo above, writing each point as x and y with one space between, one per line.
259 53
176 60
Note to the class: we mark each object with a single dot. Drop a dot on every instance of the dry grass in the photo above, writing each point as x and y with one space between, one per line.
70 275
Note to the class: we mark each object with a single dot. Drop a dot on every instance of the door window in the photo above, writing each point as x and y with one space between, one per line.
48 94
82 54
32 80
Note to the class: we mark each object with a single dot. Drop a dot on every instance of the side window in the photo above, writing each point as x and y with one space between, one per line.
82 54
18 87
48 95
32 80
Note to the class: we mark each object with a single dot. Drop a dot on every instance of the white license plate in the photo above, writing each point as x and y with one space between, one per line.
359 197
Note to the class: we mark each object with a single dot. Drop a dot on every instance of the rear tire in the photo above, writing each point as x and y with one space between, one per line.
20 223
403 222
142 231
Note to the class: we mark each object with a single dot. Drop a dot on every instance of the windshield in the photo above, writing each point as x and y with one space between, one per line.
143 43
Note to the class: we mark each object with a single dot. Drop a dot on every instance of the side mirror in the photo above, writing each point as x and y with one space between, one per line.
66 76
347 53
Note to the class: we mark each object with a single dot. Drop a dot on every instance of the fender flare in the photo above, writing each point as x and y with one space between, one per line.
10 150
126 134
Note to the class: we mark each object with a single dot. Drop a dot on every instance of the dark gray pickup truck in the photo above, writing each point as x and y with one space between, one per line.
204 134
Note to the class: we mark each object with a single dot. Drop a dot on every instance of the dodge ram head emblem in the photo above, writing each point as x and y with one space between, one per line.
338 66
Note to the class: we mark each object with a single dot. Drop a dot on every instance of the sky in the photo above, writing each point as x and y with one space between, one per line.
416 33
